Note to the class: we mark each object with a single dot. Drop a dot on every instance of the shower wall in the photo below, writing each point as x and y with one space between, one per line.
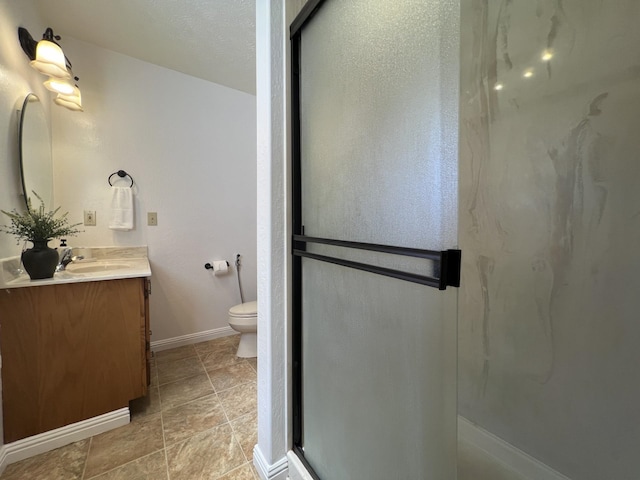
549 319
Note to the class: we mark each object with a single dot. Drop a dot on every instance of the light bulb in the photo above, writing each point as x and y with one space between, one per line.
59 86
72 102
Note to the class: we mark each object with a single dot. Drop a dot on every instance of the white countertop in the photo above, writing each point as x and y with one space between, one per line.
105 263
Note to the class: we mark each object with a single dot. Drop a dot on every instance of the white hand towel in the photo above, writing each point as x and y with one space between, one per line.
121 209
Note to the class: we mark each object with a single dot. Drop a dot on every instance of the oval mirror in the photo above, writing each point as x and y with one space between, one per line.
36 164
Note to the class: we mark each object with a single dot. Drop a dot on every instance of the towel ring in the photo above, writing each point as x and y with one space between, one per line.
121 174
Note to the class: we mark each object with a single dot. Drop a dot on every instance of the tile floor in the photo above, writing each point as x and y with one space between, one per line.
197 422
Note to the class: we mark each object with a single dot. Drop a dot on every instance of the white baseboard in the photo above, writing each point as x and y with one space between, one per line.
191 338
505 453
297 470
44 442
277 471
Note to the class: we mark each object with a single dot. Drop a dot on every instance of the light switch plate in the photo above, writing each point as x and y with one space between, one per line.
152 219
90 218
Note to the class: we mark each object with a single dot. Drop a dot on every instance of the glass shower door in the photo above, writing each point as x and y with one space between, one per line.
375 217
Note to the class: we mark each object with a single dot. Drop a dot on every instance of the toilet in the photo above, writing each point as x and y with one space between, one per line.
243 318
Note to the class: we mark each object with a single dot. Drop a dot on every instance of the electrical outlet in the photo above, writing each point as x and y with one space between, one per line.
90 218
152 219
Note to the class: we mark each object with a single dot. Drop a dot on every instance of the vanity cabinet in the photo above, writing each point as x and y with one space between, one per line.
71 351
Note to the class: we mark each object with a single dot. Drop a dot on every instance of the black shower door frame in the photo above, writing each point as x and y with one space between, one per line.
446 263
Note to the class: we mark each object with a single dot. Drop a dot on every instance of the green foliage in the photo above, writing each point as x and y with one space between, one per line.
38 224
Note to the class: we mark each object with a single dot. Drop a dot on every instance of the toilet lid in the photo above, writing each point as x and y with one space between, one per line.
248 309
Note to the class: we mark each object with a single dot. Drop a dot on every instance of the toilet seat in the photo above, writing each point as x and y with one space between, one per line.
244 310
244 324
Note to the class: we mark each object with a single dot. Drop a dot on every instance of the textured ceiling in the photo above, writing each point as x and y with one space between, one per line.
209 39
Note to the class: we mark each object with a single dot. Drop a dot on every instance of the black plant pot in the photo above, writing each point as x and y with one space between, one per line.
40 261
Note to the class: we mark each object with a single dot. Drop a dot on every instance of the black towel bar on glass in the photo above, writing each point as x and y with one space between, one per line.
121 174
446 263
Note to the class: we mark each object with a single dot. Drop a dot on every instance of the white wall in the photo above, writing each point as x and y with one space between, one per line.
274 271
190 146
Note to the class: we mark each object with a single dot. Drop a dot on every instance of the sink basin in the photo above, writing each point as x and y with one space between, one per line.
100 264
95 267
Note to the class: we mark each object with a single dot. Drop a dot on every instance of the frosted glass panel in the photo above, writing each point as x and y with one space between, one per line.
378 108
378 135
375 404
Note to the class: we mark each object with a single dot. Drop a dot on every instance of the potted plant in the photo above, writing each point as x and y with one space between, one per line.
38 227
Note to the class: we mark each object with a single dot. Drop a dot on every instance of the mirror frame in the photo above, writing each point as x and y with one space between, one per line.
26 178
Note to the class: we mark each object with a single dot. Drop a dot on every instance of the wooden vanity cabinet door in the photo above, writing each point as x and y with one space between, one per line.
70 352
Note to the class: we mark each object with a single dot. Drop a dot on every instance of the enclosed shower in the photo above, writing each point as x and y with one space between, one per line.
507 129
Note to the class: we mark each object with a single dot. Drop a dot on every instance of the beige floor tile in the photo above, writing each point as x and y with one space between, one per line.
217 344
185 390
174 354
151 467
254 363
242 473
246 431
239 401
154 373
205 456
143 406
116 447
62 463
209 344
255 472
222 357
178 369
192 418
231 376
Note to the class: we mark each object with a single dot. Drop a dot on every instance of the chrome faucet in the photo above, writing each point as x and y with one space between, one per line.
66 258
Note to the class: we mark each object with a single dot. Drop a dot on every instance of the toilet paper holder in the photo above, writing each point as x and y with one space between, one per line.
209 266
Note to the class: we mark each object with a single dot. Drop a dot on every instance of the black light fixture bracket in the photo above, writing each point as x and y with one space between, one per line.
29 45
48 35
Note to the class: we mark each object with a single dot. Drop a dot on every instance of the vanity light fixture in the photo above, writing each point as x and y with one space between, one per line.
72 102
57 85
63 101
48 58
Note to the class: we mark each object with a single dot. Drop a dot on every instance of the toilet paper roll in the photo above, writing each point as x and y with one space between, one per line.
220 267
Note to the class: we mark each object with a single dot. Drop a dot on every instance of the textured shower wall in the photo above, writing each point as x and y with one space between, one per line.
549 325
